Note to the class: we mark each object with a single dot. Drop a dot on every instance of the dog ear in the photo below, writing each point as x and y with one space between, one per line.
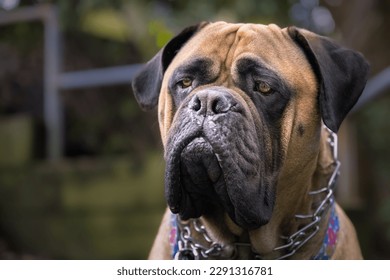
341 74
147 83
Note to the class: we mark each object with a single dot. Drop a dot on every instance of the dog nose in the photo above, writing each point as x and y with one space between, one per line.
211 102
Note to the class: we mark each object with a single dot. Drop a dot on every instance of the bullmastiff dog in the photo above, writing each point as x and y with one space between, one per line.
248 115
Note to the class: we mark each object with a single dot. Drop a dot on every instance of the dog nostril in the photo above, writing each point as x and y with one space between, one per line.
196 104
219 105
216 106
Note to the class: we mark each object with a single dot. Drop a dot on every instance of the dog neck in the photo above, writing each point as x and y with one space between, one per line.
314 191
296 234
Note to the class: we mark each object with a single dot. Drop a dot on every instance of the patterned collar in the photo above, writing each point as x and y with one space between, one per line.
330 240
174 236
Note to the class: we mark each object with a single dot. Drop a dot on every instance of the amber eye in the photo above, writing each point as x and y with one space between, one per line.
263 87
185 82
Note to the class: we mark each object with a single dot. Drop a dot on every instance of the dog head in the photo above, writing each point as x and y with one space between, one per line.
237 103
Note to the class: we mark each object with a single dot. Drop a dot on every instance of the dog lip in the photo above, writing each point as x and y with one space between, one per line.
173 190
193 170
214 172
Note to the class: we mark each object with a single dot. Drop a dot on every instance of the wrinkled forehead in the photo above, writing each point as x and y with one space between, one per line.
225 44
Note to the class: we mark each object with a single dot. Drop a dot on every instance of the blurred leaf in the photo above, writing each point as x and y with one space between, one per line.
106 23
158 29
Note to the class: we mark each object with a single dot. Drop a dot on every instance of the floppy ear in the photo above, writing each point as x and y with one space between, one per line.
147 83
341 74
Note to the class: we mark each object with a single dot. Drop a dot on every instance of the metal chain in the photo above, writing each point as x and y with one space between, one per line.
190 249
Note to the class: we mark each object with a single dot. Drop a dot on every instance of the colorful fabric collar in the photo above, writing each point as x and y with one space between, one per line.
325 253
330 240
174 236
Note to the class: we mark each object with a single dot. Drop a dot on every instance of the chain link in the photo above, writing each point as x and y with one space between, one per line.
190 249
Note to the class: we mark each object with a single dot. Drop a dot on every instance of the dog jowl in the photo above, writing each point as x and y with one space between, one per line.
241 108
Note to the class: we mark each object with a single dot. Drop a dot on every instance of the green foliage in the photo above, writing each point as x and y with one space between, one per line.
162 34
105 23
16 138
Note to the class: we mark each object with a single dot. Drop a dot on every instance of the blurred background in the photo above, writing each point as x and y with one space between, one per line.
81 166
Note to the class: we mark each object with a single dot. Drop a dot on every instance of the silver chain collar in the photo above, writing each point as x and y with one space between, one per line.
189 248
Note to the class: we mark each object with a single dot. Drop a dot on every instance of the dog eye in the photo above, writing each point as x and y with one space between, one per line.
263 87
185 82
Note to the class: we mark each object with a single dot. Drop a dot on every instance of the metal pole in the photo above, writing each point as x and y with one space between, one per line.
53 109
98 77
